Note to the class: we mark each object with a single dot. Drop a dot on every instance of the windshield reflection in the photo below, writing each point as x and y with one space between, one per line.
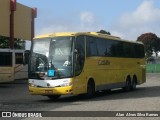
52 54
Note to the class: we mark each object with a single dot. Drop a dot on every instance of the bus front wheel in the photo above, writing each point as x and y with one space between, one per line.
90 89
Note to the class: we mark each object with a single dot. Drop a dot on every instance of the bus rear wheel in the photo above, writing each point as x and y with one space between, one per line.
128 84
90 89
134 83
53 97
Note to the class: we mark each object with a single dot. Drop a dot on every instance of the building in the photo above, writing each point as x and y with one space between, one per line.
17 21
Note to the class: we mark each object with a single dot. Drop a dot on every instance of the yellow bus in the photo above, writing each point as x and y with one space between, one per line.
83 63
11 65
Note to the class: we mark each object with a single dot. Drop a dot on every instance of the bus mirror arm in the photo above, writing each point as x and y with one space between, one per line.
26 57
75 54
75 51
24 60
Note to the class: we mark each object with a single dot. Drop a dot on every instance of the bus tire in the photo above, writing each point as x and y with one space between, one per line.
53 97
128 84
90 89
134 83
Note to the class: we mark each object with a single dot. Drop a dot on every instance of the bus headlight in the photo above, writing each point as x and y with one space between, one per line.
32 85
66 84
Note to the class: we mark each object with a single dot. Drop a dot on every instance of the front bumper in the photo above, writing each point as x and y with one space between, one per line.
67 90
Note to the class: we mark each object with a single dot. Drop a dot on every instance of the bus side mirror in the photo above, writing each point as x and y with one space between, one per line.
26 57
75 54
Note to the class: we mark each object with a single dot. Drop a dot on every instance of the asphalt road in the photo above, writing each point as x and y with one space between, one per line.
15 97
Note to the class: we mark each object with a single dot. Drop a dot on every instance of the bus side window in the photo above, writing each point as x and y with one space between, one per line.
19 58
5 58
91 47
80 54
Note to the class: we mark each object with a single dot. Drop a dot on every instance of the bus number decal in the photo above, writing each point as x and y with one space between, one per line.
103 62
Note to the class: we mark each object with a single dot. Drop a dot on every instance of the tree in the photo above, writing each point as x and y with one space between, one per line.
18 43
158 46
104 32
151 43
4 42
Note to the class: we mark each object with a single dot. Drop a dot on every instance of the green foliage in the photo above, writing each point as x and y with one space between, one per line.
5 43
19 44
104 32
151 43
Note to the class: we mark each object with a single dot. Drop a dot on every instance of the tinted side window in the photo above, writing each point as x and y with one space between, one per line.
101 46
19 58
134 51
141 49
138 51
112 48
91 46
5 59
127 50
120 50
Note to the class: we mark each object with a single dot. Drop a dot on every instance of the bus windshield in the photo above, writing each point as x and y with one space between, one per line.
54 54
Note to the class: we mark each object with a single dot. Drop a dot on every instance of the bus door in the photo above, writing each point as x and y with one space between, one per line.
79 59
20 70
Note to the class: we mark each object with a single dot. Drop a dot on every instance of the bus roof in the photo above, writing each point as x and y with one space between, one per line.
96 34
73 34
56 34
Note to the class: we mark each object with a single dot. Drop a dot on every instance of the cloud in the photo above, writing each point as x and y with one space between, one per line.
84 21
144 19
130 25
117 33
90 22
56 24
54 28
87 18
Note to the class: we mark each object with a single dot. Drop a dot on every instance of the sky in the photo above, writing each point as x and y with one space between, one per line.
127 19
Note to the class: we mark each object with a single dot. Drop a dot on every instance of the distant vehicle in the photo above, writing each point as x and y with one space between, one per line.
83 63
11 65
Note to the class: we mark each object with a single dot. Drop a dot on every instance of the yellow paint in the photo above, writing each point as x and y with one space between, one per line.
116 71
56 90
56 34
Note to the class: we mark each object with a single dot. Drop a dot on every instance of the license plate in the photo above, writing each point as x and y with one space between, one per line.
48 91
